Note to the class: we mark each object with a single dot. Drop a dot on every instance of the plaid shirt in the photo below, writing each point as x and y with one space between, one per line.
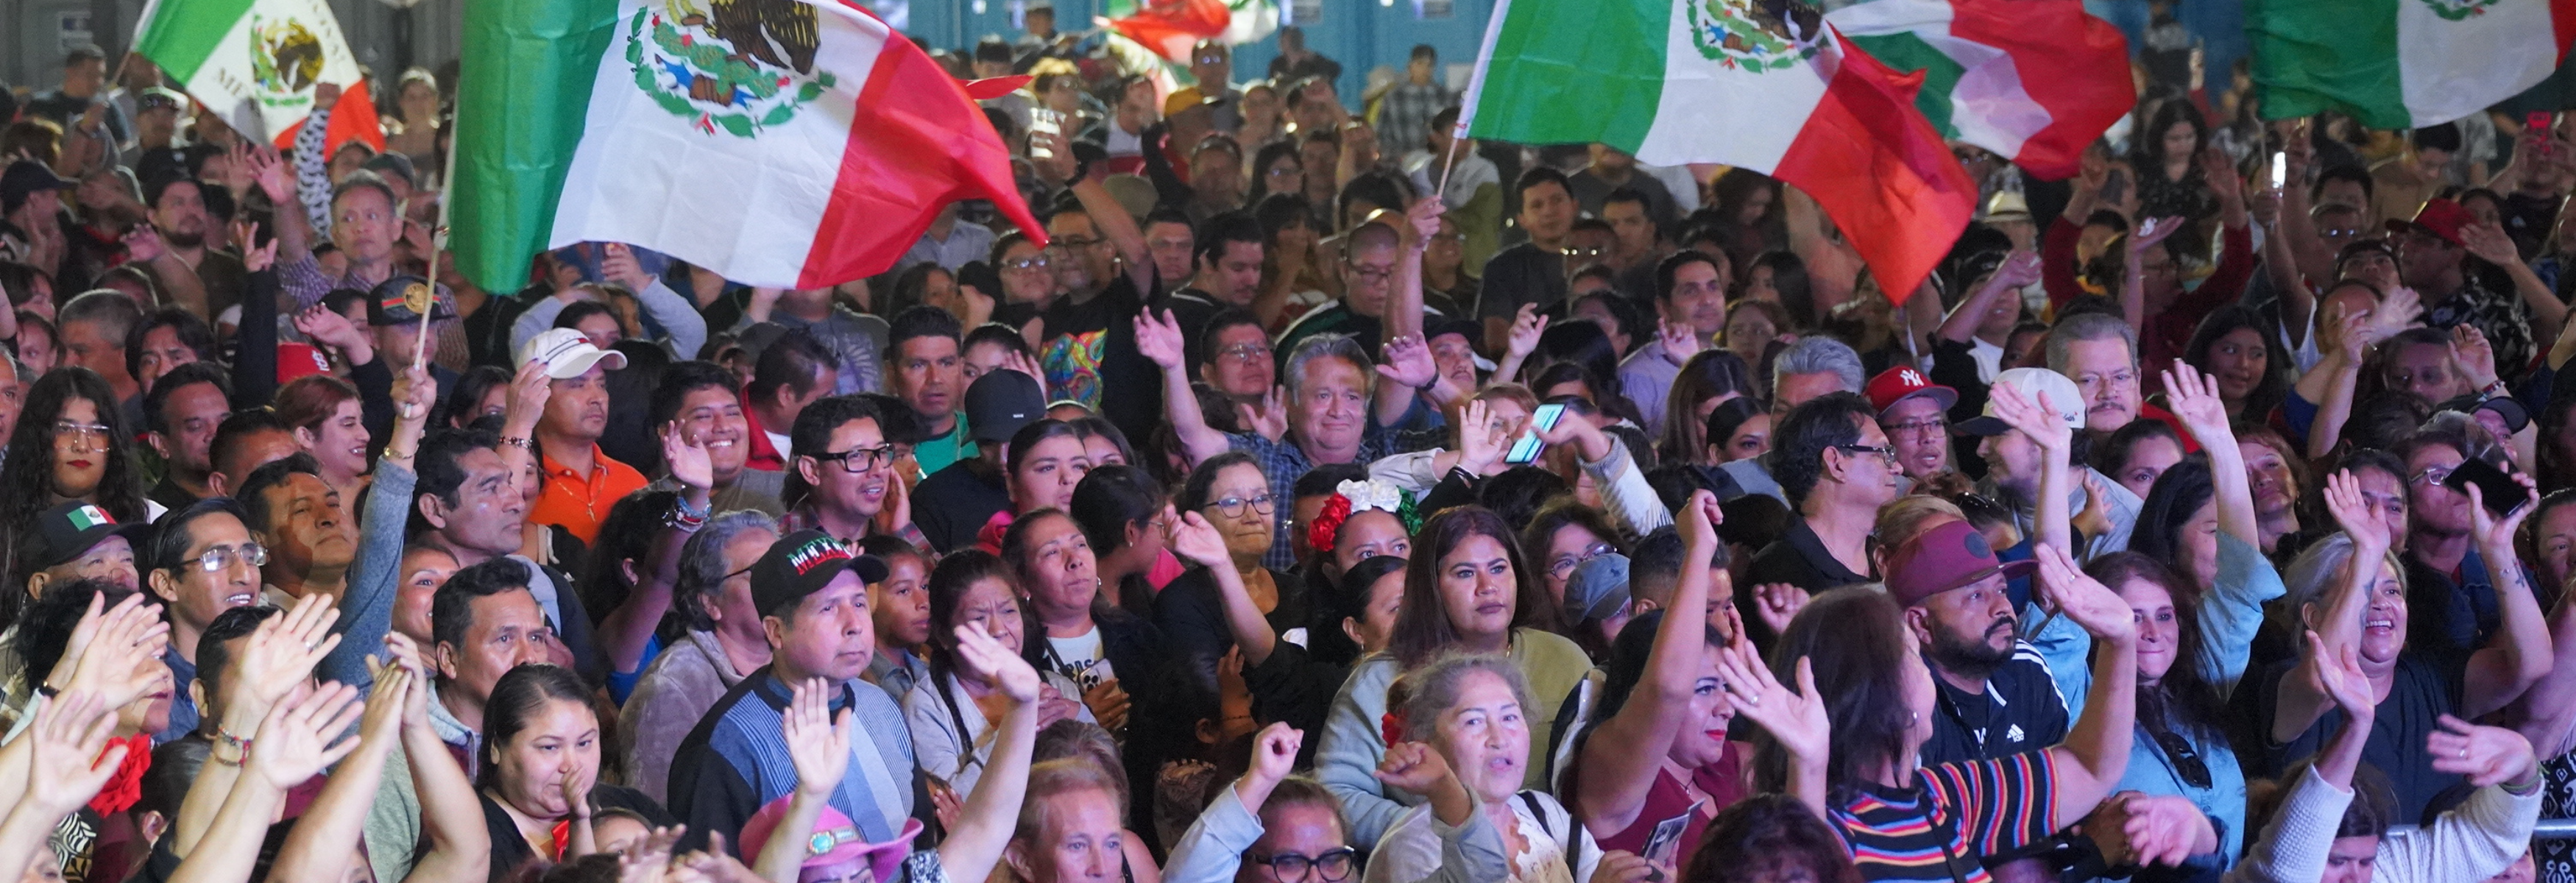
1283 462
1405 115
2499 315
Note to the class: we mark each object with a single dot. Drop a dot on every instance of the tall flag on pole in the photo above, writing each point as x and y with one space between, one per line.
2035 81
776 142
2401 64
1724 81
256 62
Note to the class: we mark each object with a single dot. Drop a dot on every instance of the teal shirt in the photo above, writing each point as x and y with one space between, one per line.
935 454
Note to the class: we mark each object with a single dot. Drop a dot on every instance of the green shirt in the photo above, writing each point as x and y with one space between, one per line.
937 452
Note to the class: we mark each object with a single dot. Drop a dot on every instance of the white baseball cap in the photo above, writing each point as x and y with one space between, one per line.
2063 398
567 353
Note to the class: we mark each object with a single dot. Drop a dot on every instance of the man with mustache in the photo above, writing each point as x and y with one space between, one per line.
1996 696
182 267
581 481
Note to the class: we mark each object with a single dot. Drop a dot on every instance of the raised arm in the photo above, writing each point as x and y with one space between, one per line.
1622 756
2193 396
451 815
299 738
1159 340
2096 751
2335 628
819 744
70 758
1212 850
2056 441
2519 653
1107 216
1797 719
318 846
366 611
629 627
680 319
974 846
527 402
276 659
2022 268
1404 372
1197 542
2491 244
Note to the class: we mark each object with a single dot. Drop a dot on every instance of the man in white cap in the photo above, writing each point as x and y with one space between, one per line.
581 483
2029 427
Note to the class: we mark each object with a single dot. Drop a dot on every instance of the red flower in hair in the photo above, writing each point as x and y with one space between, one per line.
126 786
1328 523
1390 726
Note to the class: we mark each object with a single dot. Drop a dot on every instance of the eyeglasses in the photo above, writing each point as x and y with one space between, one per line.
1934 427
1371 274
92 431
2339 233
1334 865
1889 453
221 557
1564 565
2433 475
859 459
1024 264
1247 353
1233 507
2187 763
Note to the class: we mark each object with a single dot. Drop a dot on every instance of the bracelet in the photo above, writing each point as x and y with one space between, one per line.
391 454
2524 790
520 443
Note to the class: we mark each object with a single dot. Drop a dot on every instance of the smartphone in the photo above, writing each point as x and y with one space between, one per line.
1525 449
2280 169
2501 492
1043 121
2115 187
2540 121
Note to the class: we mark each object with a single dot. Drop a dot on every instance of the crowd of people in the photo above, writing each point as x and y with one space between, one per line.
1316 497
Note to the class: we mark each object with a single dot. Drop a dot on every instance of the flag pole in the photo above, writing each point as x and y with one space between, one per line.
437 232
1456 134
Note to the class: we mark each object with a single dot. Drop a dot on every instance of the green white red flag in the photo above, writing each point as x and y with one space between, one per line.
1723 81
776 142
255 63
2399 64
2034 81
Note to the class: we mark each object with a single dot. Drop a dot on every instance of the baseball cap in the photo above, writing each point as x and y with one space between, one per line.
296 360
2359 247
70 530
1000 402
1902 382
2440 217
400 300
566 352
1597 589
2514 414
802 563
25 178
391 165
155 97
2062 395
835 850
1185 98
1947 557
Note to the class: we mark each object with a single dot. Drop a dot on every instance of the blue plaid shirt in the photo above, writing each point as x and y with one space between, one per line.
1283 462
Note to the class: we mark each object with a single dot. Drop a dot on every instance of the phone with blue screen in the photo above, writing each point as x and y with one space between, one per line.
1526 449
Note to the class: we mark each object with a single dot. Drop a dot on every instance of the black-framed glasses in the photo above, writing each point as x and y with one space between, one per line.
1233 507
221 557
2186 762
1334 866
1026 264
1889 453
859 459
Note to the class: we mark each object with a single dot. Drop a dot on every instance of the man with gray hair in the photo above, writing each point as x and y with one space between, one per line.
1336 410
2099 352
724 642
92 329
1810 368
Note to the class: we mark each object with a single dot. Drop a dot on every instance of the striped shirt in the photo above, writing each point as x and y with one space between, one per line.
1955 813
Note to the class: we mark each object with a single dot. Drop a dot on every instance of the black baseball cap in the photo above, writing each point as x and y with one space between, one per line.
399 300
1001 402
72 529
27 177
802 563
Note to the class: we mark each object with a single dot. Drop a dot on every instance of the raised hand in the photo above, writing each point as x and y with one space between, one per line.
2223 182
2095 518
2490 243
414 394
143 244
529 390
617 264
817 742
108 651
304 737
1274 752
1025 364
2021 268
1698 520
1159 340
687 457
2039 419
1424 217
996 664
1408 362
1480 438
2137 829
282 652
2353 513
2491 531
1776 604
2193 396
1527 325
2083 598
332 330
2486 755
1681 341
2337 674
401 654
268 169
2397 311
2474 355
1795 717
1059 166
325 95
1198 542
1412 767
71 756
1268 417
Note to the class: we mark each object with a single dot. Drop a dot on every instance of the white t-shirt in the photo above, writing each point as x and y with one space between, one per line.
1082 658
777 441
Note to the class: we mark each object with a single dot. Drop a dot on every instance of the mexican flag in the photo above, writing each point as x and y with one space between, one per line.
2400 64
255 63
776 142
1723 81
2032 80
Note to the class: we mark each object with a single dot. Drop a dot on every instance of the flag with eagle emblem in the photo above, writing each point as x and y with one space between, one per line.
777 142
255 63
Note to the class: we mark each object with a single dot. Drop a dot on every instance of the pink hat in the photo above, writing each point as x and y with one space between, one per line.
835 849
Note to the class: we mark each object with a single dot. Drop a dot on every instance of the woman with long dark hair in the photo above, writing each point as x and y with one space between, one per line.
2234 344
1128 519
540 771
1467 588
71 444
2164 153
2180 748
1709 380
952 712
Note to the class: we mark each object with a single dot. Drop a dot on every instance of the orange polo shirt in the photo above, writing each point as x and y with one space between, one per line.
580 502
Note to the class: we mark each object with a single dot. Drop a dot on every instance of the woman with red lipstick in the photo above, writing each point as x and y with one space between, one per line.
70 445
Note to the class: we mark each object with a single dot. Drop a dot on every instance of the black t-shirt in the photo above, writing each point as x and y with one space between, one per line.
1192 619
1798 558
1191 308
2019 711
952 505
1521 274
510 849
2428 685
1015 315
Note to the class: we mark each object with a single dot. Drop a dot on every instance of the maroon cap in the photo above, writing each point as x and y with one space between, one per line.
1947 557
2440 217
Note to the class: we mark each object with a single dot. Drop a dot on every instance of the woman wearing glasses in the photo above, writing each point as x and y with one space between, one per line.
70 445
1269 819
1028 279
1466 588
1232 497
1564 534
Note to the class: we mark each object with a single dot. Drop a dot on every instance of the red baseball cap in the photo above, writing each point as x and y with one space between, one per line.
2440 217
1953 555
1903 382
296 360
